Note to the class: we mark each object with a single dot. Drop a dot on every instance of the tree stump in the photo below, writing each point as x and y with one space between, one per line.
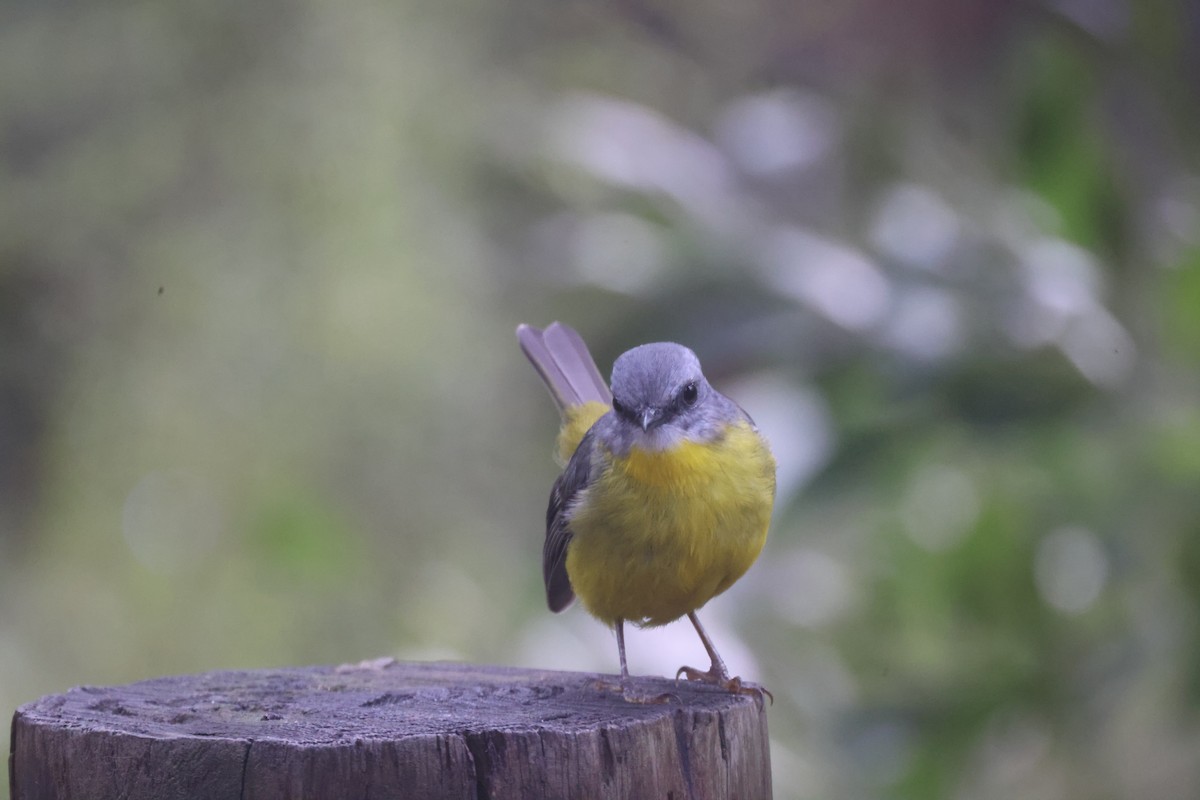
386 729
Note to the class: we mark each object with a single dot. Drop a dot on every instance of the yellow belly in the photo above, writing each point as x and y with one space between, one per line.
659 534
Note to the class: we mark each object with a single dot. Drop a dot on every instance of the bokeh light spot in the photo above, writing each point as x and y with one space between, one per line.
926 323
779 131
835 279
811 588
914 226
940 506
1070 569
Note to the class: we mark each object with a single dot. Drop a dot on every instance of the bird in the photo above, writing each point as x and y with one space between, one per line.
665 496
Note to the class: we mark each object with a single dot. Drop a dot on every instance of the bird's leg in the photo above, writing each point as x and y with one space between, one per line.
628 693
621 685
717 674
621 650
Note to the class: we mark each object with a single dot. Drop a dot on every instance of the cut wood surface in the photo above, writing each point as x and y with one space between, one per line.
388 729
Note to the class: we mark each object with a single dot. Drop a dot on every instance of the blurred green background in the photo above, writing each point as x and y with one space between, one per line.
261 403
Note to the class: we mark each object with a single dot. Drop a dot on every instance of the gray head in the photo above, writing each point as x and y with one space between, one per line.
660 395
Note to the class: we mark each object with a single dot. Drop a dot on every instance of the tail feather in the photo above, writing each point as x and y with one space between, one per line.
560 356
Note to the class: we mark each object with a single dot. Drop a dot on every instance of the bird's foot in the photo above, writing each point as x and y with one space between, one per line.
631 695
718 677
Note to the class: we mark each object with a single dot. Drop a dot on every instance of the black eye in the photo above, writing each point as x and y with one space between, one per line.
689 394
620 409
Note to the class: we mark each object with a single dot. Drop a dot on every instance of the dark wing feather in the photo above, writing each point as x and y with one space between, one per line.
574 479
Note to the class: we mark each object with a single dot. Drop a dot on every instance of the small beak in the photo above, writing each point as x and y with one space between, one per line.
650 417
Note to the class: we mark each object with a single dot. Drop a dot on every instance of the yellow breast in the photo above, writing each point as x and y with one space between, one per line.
658 534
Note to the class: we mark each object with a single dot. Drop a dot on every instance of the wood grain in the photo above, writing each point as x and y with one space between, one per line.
387 729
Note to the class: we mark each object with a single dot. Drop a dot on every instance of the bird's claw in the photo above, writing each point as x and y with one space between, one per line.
735 685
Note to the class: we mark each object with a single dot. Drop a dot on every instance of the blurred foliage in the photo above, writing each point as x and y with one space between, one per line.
260 402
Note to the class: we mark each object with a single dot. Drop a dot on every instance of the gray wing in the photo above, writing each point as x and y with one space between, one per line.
573 480
745 414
